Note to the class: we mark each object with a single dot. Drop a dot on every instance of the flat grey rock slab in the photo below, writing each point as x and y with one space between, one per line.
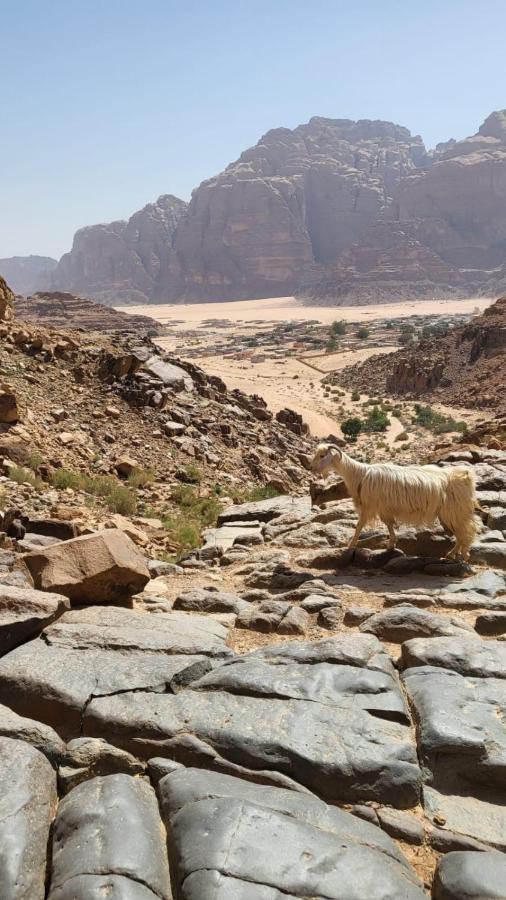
315 672
400 623
110 826
467 656
470 875
269 844
173 377
27 806
100 651
86 758
24 612
304 712
475 818
227 535
266 510
489 554
462 727
40 736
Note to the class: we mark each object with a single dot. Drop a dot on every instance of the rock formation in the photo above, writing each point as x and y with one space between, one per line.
334 210
123 262
57 309
466 367
26 274
6 300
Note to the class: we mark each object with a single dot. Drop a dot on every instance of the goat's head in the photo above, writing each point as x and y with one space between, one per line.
325 458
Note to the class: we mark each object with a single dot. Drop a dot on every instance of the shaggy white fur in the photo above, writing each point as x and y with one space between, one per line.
412 495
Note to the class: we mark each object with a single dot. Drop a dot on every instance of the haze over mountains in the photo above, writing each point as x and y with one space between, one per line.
336 211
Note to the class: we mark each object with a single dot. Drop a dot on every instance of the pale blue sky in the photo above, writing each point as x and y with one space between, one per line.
105 104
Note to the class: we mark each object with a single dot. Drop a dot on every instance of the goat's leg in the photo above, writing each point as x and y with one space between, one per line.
360 524
392 537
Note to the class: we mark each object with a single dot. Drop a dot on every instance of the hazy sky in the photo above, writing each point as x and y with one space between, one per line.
105 104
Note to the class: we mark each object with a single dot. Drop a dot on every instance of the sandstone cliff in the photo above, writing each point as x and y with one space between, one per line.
122 262
27 273
334 210
6 300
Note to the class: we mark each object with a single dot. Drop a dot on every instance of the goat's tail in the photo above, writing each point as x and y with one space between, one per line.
459 503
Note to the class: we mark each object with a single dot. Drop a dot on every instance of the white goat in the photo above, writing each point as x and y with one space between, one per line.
412 495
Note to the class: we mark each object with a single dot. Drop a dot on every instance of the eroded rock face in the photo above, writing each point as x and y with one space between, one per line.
122 262
6 300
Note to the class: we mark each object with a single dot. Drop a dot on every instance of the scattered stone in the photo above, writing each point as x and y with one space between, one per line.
266 510
331 617
465 655
9 411
296 621
402 825
491 624
355 615
314 603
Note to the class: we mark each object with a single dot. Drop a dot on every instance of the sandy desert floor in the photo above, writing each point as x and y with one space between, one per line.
294 382
279 309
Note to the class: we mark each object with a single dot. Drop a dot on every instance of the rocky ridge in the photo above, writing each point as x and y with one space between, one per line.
56 309
26 274
334 210
466 367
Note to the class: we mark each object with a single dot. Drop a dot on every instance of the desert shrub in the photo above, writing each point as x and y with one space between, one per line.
35 460
25 476
376 420
193 475
403 436
363 333
436 422
331 344
121 500
355 396
406 338
352 427
338 327
140 477
65 478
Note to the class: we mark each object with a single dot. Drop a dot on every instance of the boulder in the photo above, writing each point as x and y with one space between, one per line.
173 377
98 568
9 411
86 758
400 623
470 876
27 806
109 828
24 612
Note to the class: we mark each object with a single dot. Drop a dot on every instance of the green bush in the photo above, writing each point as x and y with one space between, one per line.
436 422
338 327
121 500
363 333
377 420
352 427
355 396
193 475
